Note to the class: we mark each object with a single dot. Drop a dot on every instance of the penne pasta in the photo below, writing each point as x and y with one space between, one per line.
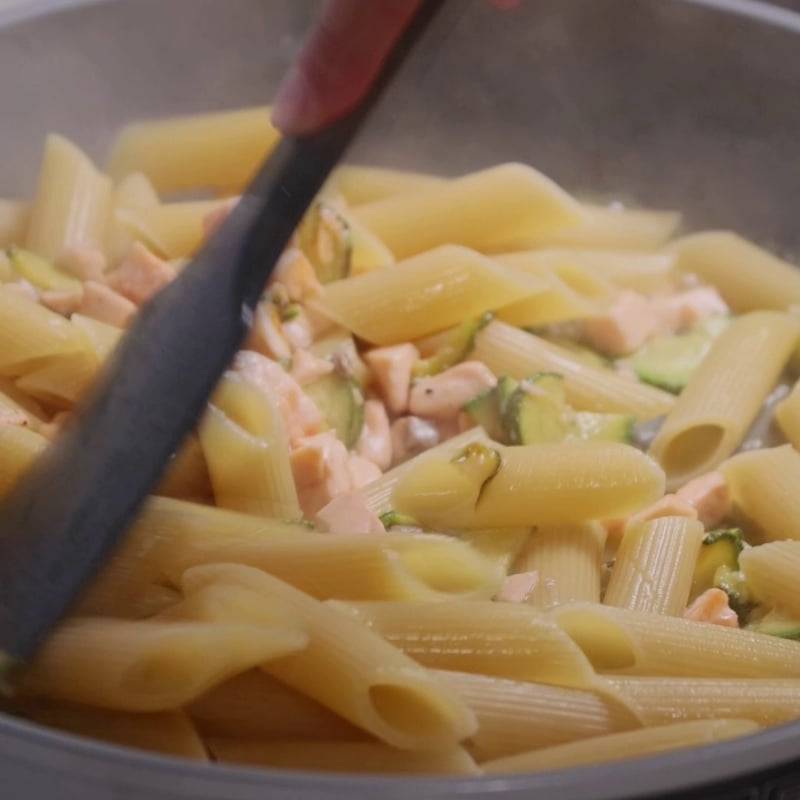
655 565
509 351
486 210
19 447
362 184
787 415
467 285
515 716
567 561
60 382
724 395
772 571
338 756
166 732
102 338
629 744
186 475
662 700
367 681
254 705
763 485
528 485
748 277
637 643
246 451
509 640
149 665
219 150
501 546
72 203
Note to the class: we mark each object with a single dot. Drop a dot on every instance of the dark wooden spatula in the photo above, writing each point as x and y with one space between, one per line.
70 509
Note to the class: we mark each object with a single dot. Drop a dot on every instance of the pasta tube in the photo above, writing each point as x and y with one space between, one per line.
655 565
359 184
636 643
787 415
367 681
486 210
529 485
467 284
724 395
509 351
14 220
772 571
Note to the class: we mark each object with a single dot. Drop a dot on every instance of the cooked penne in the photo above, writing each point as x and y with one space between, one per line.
659 701
724 395
367 251
186 475
772 571
748 277
515 716
72 203
167 732
14 220
629 744
149 665
247 452
19 447
763 486
339 756
362 184
528 485
510 351
501 546
486 210
467 285
102 338
172 230
612 227
655 564
60 382
219 151
637 643
509 640
254 705
367 681
567 560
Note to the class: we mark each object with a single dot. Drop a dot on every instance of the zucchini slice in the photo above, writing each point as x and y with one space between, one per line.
456 348
720 549
39 271
341 403
775 624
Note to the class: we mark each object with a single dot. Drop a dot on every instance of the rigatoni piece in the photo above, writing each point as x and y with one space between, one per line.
362 184
724 395
515 716
490 209
618 746
509 640
149 665
772 572
397 303
605 227
366 680
763 486
167 732
247 451
747 277
72 203
509 351
340 756
655 564
219 150
254 705
567 561
659 701
529 485
635 643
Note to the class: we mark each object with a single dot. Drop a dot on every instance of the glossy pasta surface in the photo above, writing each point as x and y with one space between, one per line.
471 499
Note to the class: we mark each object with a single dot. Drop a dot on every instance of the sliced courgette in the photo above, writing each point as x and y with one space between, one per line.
734 584
535 412
39 271
669 361
720 549
603 427
392 519
484 410
324 237
456 348
341 404
340 349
